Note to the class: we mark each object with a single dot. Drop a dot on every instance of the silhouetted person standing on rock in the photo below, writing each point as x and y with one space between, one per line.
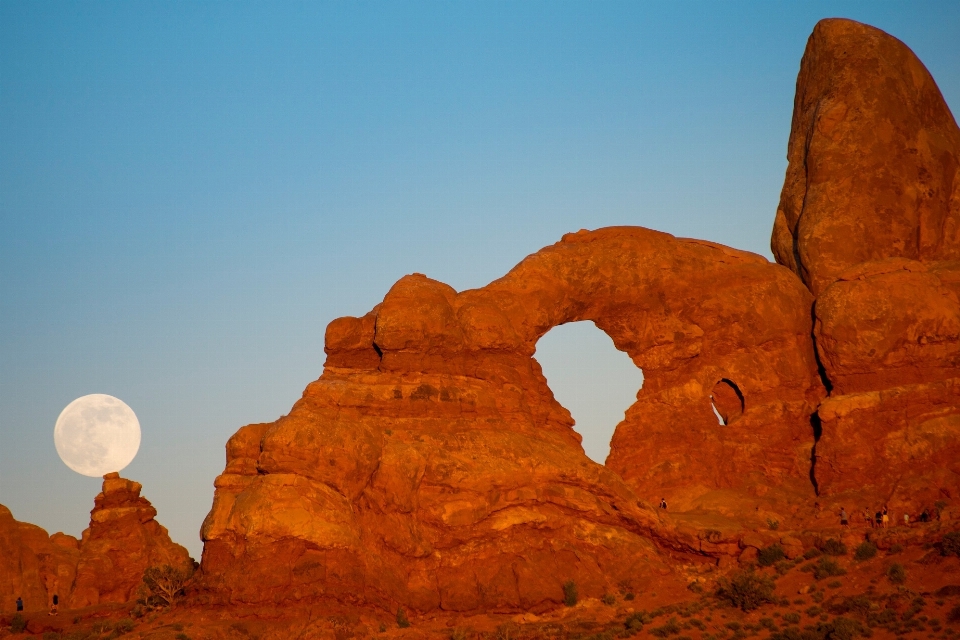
19 604
844 519
663 503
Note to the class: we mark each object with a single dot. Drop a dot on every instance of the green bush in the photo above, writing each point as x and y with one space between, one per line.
770 555
609 599
402 620
827 568
18 624
746 590
896 548
896 573
865 551
671 628
811 553
635 621
951 544
834 547
570 595
124 626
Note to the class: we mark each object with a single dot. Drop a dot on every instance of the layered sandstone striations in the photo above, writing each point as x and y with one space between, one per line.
106 565
869 217
430 465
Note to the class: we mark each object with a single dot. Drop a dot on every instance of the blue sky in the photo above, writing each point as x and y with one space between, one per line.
190 192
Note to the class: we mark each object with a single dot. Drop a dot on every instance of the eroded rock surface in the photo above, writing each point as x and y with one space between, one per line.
33 565
874 157
431 466
105 565
123 540
869 217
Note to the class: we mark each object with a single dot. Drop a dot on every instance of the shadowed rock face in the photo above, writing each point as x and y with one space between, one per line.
869 217
106 565
430 464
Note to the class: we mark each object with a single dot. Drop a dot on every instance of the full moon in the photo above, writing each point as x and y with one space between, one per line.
97 434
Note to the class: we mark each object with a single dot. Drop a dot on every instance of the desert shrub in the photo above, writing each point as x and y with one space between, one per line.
182 636
51 635
698 624
402 620
954 615
635 621
773 524
791 618
951 544
746 590
811 553
137 611
833 547
124 626
865 551
770 555
834 584
896 573
629 596
896 548
783 567
163 585
570 595
851 604
670 628
949 590
768 623
608 599
18 624
813 612
827 568
456 634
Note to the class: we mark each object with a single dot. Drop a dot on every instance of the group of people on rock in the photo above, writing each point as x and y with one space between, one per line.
881 519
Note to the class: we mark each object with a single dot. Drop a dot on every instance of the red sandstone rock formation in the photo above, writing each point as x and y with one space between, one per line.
123 540
106 565
431 466
869 217
33 565
874 167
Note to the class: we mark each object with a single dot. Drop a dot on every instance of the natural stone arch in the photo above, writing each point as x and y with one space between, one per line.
433 429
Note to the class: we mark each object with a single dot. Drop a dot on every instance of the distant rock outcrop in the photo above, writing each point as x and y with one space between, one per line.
106 565
33 565
123 540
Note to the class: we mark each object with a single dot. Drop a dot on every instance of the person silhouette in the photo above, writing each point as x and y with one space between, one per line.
19 604
663 503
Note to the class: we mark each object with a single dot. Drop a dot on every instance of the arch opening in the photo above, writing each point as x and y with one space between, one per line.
592 379
727 401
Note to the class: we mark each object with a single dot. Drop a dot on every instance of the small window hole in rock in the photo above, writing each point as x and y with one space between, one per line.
727 400
594 381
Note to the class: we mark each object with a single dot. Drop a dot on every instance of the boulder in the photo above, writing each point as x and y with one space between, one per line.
874 159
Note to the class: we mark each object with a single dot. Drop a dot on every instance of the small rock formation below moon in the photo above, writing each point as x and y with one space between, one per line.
106 565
